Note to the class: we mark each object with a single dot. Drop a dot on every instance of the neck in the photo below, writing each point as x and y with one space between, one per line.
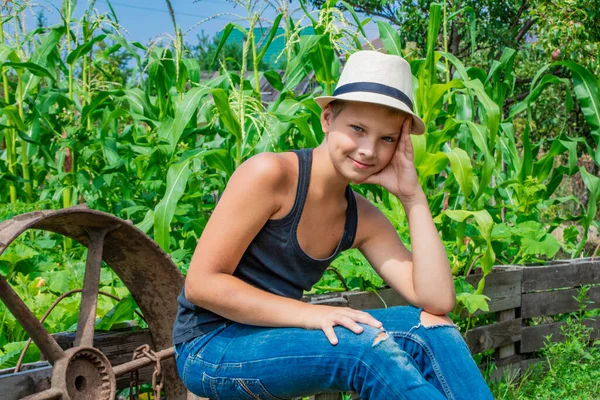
326 182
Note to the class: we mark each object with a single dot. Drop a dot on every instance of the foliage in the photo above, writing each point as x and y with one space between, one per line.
570 371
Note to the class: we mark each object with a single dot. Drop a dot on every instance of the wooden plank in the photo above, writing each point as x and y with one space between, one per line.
502 286
508 350
370 301
533 338
556 302
16 386
561 275
493 336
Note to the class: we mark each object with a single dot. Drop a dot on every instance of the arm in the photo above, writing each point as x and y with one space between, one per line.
424 277
252 196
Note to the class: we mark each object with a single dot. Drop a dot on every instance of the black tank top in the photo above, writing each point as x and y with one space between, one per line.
273 261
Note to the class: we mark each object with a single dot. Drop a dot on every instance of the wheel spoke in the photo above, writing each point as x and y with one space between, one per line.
46 343
91 283
50 394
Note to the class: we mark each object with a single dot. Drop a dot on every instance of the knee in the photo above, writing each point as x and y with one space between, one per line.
428 319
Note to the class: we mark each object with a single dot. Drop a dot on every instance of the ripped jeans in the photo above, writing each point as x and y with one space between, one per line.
403 360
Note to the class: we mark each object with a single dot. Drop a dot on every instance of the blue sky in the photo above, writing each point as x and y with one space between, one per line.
145 19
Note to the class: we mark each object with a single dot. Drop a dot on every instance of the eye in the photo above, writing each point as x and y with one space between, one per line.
357 128
389 139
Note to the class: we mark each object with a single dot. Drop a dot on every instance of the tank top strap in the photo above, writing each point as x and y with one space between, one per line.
351 220
304 166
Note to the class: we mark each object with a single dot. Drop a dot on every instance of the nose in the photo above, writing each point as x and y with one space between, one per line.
366 149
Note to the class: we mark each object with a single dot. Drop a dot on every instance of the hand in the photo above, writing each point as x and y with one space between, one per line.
326 317
399 177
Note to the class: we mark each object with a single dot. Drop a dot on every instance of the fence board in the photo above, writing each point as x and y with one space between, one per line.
533 337
24 383
556 302
493 336
503 287
561 276
370 301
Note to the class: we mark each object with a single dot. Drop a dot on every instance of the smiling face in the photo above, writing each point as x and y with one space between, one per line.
362 138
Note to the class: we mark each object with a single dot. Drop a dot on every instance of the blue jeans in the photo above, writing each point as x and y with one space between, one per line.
413 361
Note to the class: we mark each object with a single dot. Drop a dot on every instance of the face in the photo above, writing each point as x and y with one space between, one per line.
362 139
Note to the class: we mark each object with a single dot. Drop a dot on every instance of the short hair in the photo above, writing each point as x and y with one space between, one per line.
337 106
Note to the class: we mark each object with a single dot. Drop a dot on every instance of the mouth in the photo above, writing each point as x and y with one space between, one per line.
360 165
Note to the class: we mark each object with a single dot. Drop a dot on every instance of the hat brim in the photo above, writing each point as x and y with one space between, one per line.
418 126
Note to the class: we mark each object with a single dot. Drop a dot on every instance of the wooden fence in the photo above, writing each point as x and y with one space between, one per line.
523 298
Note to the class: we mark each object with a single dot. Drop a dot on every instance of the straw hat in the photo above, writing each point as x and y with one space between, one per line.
373 77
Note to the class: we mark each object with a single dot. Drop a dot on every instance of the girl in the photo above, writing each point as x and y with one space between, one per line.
241 330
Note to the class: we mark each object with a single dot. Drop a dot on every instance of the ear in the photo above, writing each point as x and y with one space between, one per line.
326 119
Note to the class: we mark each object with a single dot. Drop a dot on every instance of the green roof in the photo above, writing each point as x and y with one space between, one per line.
276 46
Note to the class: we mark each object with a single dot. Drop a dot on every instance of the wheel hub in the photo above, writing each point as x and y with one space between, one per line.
85 373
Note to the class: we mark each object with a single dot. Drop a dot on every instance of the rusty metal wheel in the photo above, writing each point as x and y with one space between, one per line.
84 372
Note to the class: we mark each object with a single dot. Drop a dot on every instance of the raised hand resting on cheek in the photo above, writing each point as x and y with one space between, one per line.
399 176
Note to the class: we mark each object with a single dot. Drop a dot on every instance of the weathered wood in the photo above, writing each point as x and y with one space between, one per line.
533 338
560 276
371 301
556 302
508 350
493 336
502 286
24 383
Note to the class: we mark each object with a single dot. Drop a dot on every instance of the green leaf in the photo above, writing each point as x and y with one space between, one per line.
147 222
193 69
547 245
84 49
473 302
123 311
434 164
462 170
270 38
8 53
390 38
274 79
224 36
227 116
35 69
177 178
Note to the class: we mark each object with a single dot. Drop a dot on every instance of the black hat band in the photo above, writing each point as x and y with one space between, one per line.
374 88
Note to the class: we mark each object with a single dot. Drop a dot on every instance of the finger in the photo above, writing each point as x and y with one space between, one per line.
350 323
330 333
368 319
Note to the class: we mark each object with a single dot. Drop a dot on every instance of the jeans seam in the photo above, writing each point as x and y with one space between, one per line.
436 367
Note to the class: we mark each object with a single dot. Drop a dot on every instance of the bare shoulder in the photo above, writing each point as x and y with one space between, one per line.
371 220
265 167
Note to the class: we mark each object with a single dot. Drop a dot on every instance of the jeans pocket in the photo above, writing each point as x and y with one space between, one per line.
238 388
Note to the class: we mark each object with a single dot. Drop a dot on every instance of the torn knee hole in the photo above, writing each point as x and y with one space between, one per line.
432 320
381 336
